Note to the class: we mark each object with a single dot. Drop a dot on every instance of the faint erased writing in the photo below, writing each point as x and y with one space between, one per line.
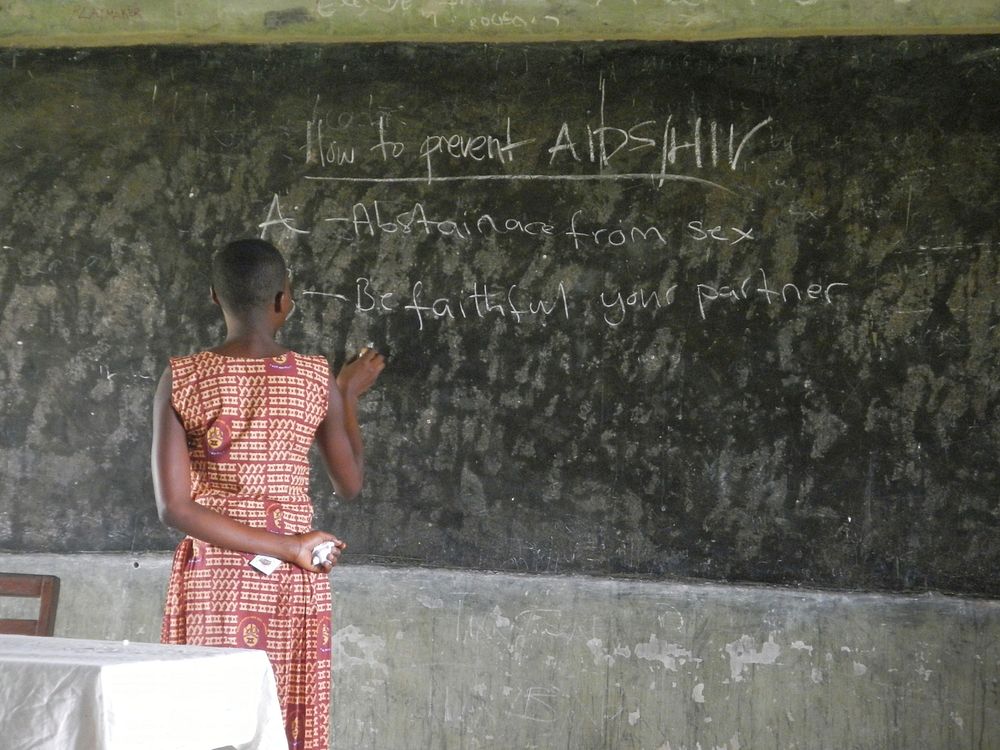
88 13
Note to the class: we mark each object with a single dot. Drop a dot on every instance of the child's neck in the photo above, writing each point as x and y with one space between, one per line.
249 339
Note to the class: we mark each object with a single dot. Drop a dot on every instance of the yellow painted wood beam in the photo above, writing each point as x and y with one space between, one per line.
81 23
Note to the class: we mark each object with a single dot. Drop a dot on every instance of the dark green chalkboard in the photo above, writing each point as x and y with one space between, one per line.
725 311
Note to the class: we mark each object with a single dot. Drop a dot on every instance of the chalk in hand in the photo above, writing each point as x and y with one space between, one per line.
320 551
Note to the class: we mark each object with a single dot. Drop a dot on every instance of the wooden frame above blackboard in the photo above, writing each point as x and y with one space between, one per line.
52 23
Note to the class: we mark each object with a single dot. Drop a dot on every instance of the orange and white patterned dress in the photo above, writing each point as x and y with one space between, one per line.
249 425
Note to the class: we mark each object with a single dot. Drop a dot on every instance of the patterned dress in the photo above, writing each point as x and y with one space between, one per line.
249 425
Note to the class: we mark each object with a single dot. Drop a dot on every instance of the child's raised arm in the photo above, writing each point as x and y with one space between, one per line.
338 436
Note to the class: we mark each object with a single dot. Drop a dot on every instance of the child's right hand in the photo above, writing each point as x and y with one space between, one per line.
360 374
307 543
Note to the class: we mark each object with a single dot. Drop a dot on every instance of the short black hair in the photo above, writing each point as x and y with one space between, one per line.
248 274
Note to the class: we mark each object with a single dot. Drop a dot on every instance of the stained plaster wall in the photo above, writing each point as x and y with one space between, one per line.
458 659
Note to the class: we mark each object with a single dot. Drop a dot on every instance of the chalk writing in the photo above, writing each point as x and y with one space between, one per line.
666 149
618 304
387 148
757 287
506 19
605 237
328 152
329 8
700 143
489 300
486 302
88 13
444 11
374 219
734 236
368 300
538 704
475 147
657 178
275 217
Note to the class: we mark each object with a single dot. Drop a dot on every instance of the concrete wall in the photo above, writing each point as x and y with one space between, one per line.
448 659
112 22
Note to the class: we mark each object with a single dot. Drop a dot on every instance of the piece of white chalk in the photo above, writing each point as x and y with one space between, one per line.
320 552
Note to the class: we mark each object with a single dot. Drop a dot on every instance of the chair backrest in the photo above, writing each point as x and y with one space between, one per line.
45 588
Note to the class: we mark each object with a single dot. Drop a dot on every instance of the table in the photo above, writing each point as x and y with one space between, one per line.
72 694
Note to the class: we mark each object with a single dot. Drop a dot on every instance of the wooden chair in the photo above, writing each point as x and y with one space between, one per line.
45 588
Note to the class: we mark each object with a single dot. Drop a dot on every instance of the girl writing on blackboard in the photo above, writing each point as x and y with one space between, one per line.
232 427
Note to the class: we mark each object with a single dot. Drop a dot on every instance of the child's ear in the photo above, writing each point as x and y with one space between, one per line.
283 302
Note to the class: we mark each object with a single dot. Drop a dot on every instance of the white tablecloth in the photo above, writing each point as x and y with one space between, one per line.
68 694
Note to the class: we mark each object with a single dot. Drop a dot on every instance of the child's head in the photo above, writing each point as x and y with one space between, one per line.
248 275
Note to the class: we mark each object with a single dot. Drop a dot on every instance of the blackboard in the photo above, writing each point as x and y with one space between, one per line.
715 310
